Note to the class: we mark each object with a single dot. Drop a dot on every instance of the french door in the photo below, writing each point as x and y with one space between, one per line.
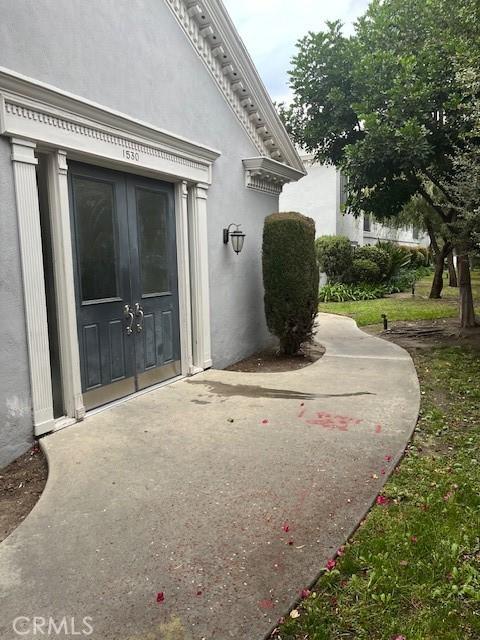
126 282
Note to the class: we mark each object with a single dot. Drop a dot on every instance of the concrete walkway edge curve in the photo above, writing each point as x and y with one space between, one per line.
226 492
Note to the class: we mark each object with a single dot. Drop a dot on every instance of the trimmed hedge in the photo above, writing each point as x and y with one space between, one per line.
290 278
334 255
364 270
378 256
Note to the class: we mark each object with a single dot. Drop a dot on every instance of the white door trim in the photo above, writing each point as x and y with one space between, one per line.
64 284
28 212
68 127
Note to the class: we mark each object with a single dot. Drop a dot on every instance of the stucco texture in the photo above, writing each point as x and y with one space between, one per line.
134 57
16 432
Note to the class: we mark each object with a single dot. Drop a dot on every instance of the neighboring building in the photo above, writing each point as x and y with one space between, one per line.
131 135
321 195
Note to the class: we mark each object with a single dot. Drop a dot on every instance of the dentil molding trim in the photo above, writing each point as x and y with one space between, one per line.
37 111
210 30
267 175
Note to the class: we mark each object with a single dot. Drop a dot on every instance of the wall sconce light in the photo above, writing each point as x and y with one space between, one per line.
237 237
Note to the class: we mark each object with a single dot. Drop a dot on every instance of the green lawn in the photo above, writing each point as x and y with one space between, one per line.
411 308
412 570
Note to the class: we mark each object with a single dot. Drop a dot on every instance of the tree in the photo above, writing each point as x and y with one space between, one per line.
418 212
387 107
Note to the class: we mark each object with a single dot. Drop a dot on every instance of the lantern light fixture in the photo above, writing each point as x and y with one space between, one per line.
237 237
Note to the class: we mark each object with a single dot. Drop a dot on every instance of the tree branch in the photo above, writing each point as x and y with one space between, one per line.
431 233
434 206
441 188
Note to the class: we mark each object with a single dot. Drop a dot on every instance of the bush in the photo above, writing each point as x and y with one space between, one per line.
290 278
364 270
417 258
376 255
334 255
351 292
399 257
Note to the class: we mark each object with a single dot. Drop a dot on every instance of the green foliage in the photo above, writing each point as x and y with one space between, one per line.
334 255
377 255
364 270
388 105
339 292
399 257
290 278
418 258
405 278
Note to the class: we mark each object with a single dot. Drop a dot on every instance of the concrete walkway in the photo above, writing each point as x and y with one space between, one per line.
189 490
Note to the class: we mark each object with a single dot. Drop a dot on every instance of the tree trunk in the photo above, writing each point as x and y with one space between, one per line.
467 312
452 272
437 284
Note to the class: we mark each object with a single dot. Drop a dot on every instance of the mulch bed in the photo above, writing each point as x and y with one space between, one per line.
270 361
21 484
425 334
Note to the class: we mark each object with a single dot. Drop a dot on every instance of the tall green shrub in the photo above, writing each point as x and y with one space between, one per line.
290 278
334 255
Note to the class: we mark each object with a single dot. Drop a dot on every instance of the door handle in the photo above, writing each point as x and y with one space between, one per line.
140 315
128 313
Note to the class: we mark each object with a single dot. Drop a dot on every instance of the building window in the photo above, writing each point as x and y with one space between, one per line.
367 222
415 233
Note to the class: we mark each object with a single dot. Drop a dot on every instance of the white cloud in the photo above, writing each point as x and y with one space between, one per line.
270 29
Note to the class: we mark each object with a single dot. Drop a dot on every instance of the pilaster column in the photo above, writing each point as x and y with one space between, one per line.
64 284
202 358
28 213
183 266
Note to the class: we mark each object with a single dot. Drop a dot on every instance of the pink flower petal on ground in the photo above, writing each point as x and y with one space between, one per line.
341 550
290 542
382 471
266 604
199 593
382 500
286 527
264 421
399 638
305 593
160 596
330 565
413 539
387 458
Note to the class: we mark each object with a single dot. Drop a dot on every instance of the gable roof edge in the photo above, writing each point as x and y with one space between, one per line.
209 28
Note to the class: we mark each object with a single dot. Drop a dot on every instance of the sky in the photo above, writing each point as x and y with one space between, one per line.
270 29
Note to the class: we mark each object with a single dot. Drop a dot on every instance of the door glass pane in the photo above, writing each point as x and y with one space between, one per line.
152 210
95 209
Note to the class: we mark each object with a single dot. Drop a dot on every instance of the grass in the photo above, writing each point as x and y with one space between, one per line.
419 307
412 570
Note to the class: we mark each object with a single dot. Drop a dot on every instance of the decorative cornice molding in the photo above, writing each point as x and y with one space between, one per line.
94 132
43 113
211 32
267 175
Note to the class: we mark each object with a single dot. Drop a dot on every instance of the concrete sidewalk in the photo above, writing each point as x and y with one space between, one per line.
228 492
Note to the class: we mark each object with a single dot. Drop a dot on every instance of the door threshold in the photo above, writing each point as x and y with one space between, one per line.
132 396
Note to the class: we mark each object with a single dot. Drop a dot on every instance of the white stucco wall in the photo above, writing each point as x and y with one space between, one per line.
318 195
133 57
315 196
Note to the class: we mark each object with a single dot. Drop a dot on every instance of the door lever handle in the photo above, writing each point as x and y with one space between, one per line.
140 315
128 313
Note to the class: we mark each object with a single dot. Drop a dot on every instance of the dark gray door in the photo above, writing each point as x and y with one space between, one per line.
126 282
